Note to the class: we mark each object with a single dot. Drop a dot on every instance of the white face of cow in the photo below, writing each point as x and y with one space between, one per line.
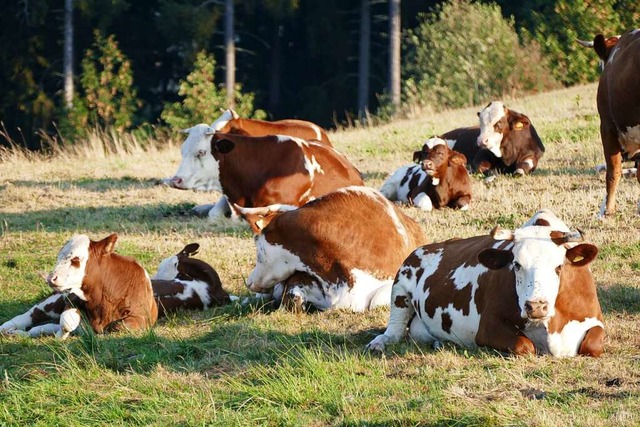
489 138
70 268
273 264
198 169
168 269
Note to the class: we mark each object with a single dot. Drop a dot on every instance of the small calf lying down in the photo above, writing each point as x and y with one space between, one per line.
441 179
523 292
187 283
113 291
340 250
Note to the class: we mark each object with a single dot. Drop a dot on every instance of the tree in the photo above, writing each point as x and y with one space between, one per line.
230 49
394 52
68 53
364 58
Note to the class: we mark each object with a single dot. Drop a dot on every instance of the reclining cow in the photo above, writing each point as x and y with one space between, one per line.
339 251
619 108
198 169
441 179
113 292
504 142
523 292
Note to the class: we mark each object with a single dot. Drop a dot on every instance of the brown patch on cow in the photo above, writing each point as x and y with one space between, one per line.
401 301
542 222
446 322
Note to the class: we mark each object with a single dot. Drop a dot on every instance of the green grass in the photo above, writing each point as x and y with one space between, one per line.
253 366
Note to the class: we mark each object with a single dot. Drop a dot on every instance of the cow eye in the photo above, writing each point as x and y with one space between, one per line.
201 153
516 266
558 269
75 262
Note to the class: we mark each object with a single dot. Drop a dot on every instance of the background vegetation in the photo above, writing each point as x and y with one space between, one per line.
295 58
251 366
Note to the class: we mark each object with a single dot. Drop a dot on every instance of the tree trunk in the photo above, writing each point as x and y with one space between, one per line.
363 59
68 54
230 81
275 70
394 52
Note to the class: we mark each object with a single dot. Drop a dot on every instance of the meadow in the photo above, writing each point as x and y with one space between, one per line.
249 365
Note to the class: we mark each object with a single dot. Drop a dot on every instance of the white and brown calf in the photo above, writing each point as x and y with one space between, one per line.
113 291
523 292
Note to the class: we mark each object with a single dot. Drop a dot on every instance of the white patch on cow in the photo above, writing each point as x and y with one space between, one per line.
432 142
318 132
274 264
195 287
451 143
286 138
222 121
198 169
393 188
489 138
423 202
70 268
567 342
168 269
435 181
25 320
630 140
69 322
546 215
41 330
312 166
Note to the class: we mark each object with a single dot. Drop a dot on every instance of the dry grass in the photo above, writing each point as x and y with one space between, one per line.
246 366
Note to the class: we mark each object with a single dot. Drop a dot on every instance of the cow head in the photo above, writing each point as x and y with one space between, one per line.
436 159
71 265
496 121
602 45
536 258
198 169
168 268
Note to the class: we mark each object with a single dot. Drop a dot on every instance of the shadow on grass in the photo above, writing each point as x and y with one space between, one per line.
619 299
98 185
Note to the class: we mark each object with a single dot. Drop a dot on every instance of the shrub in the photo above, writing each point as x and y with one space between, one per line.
203 100
465 53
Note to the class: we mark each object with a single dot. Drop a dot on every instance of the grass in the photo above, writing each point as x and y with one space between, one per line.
251 366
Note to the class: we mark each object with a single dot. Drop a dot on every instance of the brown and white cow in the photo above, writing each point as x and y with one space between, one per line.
186 283
523 292
277 169
113 292
338 251
441 179
198 170
619 107
505 142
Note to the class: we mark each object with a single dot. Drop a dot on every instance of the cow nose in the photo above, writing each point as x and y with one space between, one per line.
428 164
53 279
176 181
536 309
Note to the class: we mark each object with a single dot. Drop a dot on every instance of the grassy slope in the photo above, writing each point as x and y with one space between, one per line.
246 366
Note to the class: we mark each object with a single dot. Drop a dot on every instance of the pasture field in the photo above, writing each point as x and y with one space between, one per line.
253 366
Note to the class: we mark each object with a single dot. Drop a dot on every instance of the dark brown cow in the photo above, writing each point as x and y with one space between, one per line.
231 122
185 283
505 142
276 169
338 251
530 292
619 108
113 292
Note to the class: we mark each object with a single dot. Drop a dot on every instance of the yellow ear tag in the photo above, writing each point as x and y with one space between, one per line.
518 126
577 258
260 223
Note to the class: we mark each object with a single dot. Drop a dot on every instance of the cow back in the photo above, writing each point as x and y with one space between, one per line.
292 127
466 141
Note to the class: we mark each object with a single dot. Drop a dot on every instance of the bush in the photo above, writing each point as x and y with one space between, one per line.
203 100
465 53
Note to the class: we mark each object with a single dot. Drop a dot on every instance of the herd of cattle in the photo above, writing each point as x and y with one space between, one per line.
325 240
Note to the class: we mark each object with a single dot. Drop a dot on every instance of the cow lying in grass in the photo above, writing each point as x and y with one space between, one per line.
116 291
524 292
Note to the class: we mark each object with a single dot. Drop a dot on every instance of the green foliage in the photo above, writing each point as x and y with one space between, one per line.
108 98
203 99
465 53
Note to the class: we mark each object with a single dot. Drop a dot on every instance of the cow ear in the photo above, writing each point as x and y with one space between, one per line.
190 250
234 114
495 259
223 145
520 122
501 233
457 159
107 245
600 46
417 156
582 254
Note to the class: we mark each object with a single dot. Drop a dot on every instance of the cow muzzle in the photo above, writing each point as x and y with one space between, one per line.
177 182
536 310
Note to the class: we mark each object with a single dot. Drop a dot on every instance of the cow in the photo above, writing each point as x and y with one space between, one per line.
186 283
528 291
618 100
340 250
504 142
198 170
113 292
441 179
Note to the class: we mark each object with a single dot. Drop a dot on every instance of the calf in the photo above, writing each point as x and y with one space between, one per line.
111 290
523 292
338 251
185 283
440 180
505 142
618 101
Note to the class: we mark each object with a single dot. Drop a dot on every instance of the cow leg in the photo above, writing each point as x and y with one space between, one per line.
45 311
202 210
221 209
401 312
613 158
423 201
418 332
524 167
504 337
593 342
482 162
381 296
462 203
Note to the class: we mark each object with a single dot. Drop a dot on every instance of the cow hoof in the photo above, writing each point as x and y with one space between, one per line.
464 207
489 179
376 345
519 172
201 210
437 345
